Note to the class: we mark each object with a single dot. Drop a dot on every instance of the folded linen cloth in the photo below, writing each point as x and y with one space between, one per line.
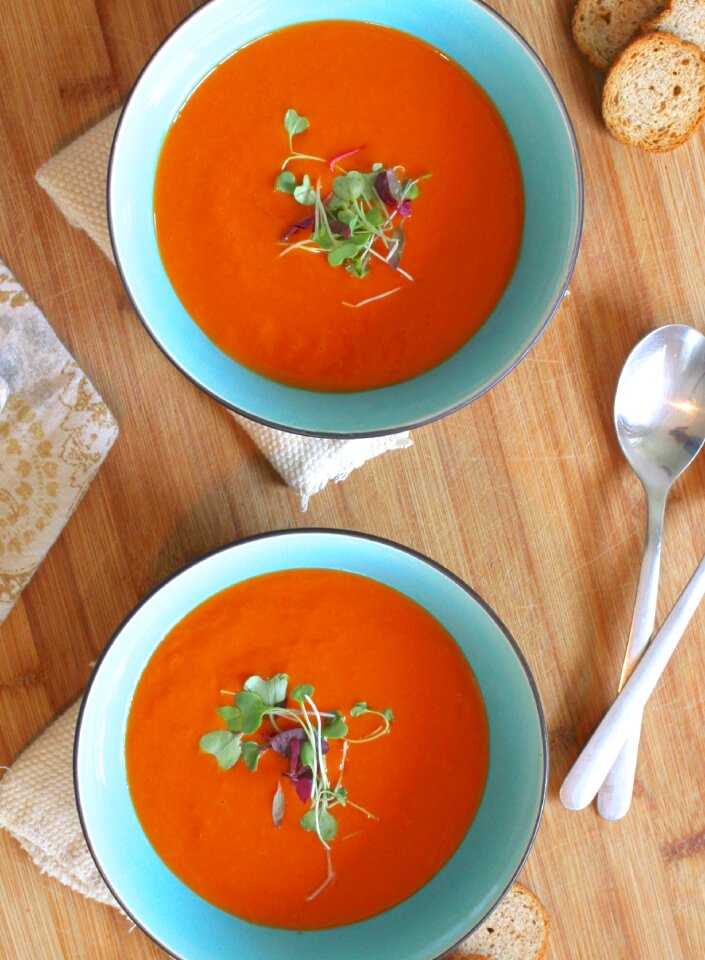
55 432
76 180
38 807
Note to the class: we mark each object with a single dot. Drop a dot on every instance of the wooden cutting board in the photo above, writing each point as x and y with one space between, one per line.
524 494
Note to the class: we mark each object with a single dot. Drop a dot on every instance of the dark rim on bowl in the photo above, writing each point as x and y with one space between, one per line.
326 531
351 435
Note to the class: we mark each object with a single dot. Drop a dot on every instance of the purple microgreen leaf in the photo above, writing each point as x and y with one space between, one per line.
404 208
340 229
281 742
295 748
299 225
303 783
388 187
278 805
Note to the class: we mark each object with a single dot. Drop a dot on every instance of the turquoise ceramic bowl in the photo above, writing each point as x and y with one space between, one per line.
522 90
443 912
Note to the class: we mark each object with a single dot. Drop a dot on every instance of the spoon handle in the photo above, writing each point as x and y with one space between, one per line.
600 752
615 795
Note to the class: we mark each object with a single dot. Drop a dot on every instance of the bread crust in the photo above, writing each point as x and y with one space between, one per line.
603 28
654 95
521 920
682 18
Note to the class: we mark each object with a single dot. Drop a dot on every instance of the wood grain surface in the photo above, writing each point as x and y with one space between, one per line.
524 494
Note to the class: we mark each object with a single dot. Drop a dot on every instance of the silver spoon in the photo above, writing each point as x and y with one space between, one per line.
659 414
599 753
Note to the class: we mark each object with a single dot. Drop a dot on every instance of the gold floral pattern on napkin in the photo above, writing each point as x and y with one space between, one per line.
55 432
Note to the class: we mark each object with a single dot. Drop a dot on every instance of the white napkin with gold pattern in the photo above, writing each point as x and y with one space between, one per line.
76 181
55 432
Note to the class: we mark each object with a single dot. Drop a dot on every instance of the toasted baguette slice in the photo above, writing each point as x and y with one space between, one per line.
517 930
603 28
682 18
654 96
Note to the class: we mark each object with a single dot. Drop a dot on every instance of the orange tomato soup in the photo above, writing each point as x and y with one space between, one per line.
219 221
353 639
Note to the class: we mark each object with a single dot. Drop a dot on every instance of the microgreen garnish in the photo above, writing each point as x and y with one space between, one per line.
359 220
278 806
304 742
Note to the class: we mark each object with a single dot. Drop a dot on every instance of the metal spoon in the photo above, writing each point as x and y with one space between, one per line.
659 414
601 750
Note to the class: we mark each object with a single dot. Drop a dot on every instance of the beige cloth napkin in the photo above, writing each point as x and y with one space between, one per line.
76 179
55 432
38 807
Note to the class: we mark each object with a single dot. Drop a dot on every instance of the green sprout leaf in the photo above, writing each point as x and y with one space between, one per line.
252 710
304 193
349 187
302 691
251 752
327 824
342 251
214 742
278 806
271 692
224 745
358 268
321 237
285 182
336 729
361 708
294 124
306 754
232 718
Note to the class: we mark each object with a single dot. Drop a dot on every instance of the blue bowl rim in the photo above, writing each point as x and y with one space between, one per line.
373 538
352 434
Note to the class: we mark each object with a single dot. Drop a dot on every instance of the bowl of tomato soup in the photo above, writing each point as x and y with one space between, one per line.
341 244
405 809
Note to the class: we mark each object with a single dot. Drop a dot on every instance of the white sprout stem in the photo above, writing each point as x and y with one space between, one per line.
301 245
330 877
342 764
380 296
316 215
374 253
375 735
301 156
371 227
393 249
324 215
297 713
320 759
356 806
319 732
349 836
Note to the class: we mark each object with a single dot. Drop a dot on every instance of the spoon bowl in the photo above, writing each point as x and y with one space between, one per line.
659 407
